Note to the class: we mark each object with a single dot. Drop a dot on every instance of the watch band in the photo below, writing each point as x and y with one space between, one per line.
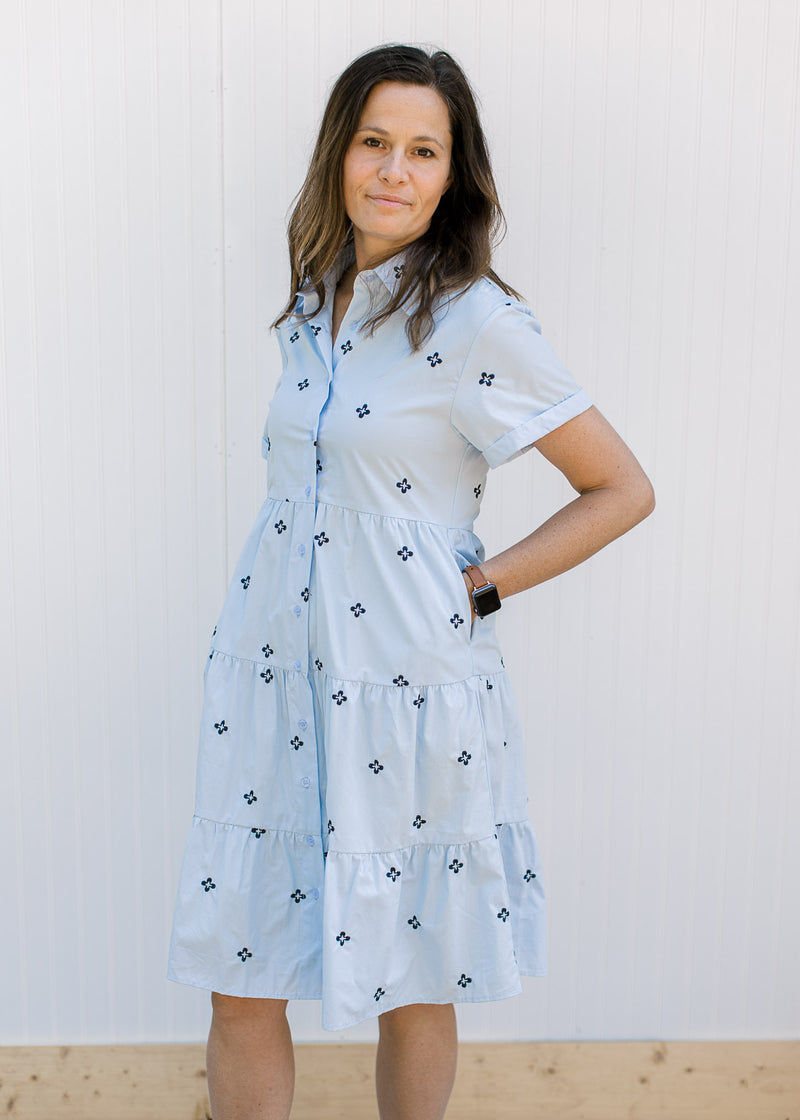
470 568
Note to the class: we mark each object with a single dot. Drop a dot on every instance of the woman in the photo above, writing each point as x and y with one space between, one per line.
361 831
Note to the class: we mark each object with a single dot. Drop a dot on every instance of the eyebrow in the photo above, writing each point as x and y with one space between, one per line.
415 139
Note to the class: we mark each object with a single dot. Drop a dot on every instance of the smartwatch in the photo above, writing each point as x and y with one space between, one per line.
484 594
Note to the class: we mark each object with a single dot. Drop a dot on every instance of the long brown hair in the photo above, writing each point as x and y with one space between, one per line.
456 249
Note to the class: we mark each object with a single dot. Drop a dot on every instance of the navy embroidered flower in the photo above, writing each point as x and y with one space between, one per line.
294 337
244 954
400 679
378 993
456 620
319 466
330 827
318 663
296 743
280 526
250 797
342 937
465 980
503 915
304 594
297 895
258 832
221 727
208 885
404 552
267 675
302 384
346 347
398 271
489 685
245 582
339 697
362 410
267 650
357 609
414 922
528 875
477 490
486 378
393 874
418 821
455 866
464 757
403 485
434 358
375 766
419 701
322 538
316 330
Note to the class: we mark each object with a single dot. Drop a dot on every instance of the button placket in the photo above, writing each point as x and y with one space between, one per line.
305 757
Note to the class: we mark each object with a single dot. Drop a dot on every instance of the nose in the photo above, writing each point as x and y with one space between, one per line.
394 168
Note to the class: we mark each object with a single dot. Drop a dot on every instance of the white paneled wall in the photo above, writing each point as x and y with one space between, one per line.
647 155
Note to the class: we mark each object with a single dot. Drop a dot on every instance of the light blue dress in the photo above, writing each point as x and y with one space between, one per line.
361 832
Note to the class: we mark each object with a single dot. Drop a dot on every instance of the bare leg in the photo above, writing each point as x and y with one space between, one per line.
250 1059
416 1061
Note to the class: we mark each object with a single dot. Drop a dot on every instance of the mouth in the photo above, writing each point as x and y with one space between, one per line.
388 200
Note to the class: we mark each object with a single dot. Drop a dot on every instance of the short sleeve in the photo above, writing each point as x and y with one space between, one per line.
513 388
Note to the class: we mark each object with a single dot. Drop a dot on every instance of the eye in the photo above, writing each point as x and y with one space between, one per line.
426 152
372 141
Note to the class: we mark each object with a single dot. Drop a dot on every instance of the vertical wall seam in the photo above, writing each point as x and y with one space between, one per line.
134 685
14 632
769 541
38 519
784 373
223 256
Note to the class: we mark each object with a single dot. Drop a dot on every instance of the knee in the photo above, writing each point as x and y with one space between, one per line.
232 1011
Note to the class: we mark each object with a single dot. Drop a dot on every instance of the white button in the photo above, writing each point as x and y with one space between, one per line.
301 549
314 892
310 841
308 490
298 665
297 609
306 782
302 724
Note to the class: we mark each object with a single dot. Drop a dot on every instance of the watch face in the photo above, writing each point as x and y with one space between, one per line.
486 600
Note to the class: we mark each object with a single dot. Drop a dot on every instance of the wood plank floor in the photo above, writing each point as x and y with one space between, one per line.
495 1081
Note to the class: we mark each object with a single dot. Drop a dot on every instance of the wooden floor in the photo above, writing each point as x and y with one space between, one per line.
495 1081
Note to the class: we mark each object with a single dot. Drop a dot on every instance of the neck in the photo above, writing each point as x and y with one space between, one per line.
347 279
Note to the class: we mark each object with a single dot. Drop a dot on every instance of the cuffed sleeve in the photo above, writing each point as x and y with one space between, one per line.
513 388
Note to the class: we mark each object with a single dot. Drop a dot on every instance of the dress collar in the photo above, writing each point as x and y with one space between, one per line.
387 274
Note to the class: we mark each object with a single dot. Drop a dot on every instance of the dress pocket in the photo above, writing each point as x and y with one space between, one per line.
466 548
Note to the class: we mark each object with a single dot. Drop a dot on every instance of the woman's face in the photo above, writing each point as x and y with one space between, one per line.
396 168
